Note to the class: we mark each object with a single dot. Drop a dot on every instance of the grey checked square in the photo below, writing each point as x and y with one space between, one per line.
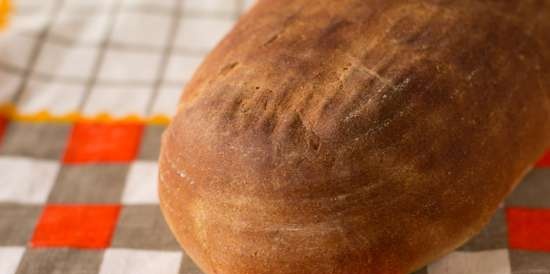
493 236
143 227
60 261
17 223
91 183
37 140
526 262
532 191
188 266
150 143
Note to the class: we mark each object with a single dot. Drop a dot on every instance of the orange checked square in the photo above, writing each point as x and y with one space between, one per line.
529 229
103 142
544 161
77 226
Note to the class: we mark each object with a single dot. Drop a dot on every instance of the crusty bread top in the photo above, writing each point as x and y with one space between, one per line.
382 132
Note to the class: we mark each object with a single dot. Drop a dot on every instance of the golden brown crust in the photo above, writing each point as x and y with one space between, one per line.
355 136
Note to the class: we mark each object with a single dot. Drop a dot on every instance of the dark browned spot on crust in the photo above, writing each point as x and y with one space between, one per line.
272 39
225 70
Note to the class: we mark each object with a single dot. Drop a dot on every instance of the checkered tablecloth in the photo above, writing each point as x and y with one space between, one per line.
87 87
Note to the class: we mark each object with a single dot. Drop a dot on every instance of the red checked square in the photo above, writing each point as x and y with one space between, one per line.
3 125
529 229
103 142
77 226
544 161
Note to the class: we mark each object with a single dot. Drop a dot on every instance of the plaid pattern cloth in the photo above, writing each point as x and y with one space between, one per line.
86 89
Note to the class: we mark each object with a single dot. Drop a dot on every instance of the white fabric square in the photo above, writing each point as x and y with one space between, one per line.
33 4
30 16
228 6
26 180
117 101
483 262
182 67
201 34
83 6
141 29
10 258
141 184
66 61
167 100
163 4
78 27
55 97
8 85
28 22
129 66
118 261
15 49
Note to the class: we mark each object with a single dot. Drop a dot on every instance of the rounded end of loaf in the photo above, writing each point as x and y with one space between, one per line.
243 198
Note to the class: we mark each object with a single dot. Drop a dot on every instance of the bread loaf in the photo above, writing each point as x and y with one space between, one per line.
355 136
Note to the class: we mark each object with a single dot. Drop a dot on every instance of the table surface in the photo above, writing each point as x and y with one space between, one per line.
86 89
